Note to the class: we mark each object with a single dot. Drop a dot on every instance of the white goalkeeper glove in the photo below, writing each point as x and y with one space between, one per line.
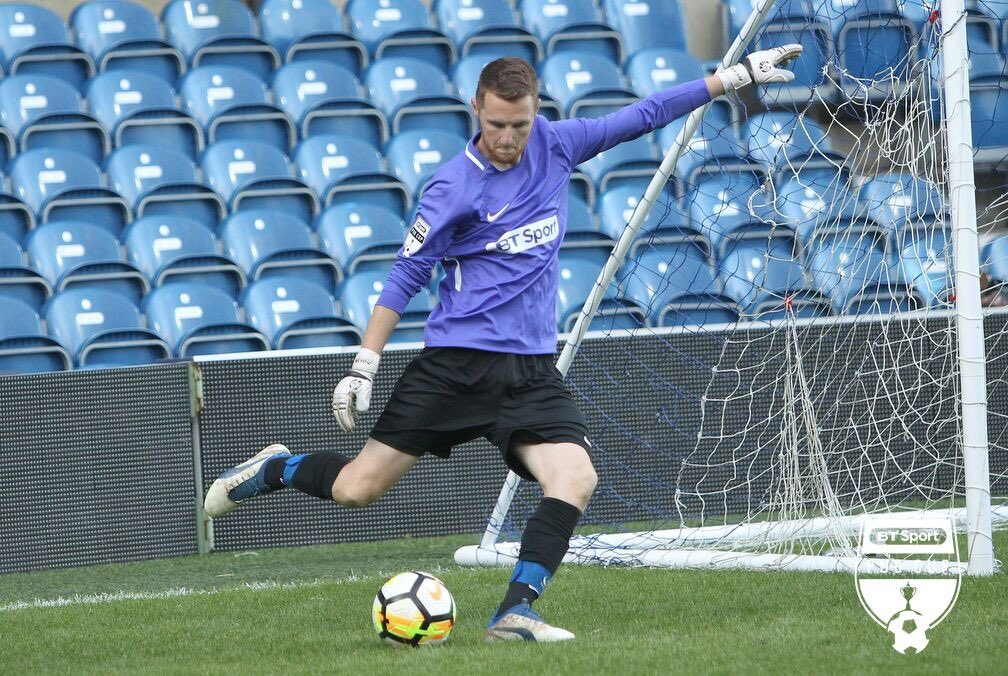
760 68
353 393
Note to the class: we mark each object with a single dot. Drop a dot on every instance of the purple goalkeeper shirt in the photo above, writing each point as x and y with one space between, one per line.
498 232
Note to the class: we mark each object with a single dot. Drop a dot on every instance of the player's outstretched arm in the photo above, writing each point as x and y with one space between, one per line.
353 393
762 67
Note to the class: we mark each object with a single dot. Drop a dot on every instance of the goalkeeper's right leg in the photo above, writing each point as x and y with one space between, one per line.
241 483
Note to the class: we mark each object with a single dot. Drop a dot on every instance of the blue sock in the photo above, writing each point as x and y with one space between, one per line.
528 582
290 466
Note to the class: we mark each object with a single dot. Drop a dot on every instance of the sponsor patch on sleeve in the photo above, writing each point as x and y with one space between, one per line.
416 237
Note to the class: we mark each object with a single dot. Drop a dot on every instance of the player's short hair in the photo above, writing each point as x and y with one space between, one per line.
510 78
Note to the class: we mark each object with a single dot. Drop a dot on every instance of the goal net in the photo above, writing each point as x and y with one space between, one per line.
778 350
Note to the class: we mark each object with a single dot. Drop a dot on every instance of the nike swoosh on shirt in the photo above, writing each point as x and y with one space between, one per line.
493 217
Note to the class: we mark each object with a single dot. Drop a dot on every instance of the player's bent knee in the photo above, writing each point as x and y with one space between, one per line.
359 494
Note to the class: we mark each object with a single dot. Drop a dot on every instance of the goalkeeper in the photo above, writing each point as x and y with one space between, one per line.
494 216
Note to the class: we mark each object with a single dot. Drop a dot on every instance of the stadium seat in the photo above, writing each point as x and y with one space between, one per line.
343 168
993 259
900 204
323 98
790 21
269 243
730 207
249 175
571 25
25 347
296 313
102 329
677 286
232 104
195 319
35 41
16 219
361 236
644 24
926 263
488 28
983 25
62 184
989 115
399 28
782 141
120 35
18 280
658 68
768 283
583 238
631 162
585 84
414 156
466 77
76 254
575 281
852 271
311 30
715 149
43 112
360 292
158 181
170 249
415 95
217 33
822 206
137 107
665 224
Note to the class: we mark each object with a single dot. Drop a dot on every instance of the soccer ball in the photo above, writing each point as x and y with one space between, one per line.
413 609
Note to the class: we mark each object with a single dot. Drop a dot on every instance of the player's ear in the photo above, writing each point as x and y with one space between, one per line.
475 107
538 103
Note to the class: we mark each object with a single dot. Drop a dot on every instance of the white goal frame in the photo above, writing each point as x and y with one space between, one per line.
975 518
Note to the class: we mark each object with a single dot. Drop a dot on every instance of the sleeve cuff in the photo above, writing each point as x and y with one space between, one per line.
393 298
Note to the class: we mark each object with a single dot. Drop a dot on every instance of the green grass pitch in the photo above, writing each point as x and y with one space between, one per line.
307 610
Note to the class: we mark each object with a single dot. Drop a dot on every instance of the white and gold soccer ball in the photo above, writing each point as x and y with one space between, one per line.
413 609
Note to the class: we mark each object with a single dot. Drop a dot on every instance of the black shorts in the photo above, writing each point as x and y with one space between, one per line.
450 395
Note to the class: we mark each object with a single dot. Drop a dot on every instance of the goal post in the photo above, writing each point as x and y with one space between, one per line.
813 352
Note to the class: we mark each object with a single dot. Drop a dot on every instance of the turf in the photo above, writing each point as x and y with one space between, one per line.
307 610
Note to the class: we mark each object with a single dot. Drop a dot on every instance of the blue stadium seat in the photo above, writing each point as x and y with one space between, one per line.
677 286
768 283
16 219
43 112
361 236
232 104
195 319
714 149
665 223
644 24
268 243
731 207
399 28
311 30
657 68
62 184
983 25
25 347
488 28
585 84
571 25
343 168
72 253
249 175
993 259
323 98
631 162
158 181
822 206
988 79
852 270
414 156
120 35
170 249
8 144
415 95
466 77
926 263
102 329
575 281
218 33
296 313
782 141
35 41
584 238
790 21
17 279
137 107
901 204
360 292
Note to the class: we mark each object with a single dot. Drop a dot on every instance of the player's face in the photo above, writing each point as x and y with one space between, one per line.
505 127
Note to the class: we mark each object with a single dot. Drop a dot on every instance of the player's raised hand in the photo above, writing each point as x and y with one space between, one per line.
353 393
762 67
